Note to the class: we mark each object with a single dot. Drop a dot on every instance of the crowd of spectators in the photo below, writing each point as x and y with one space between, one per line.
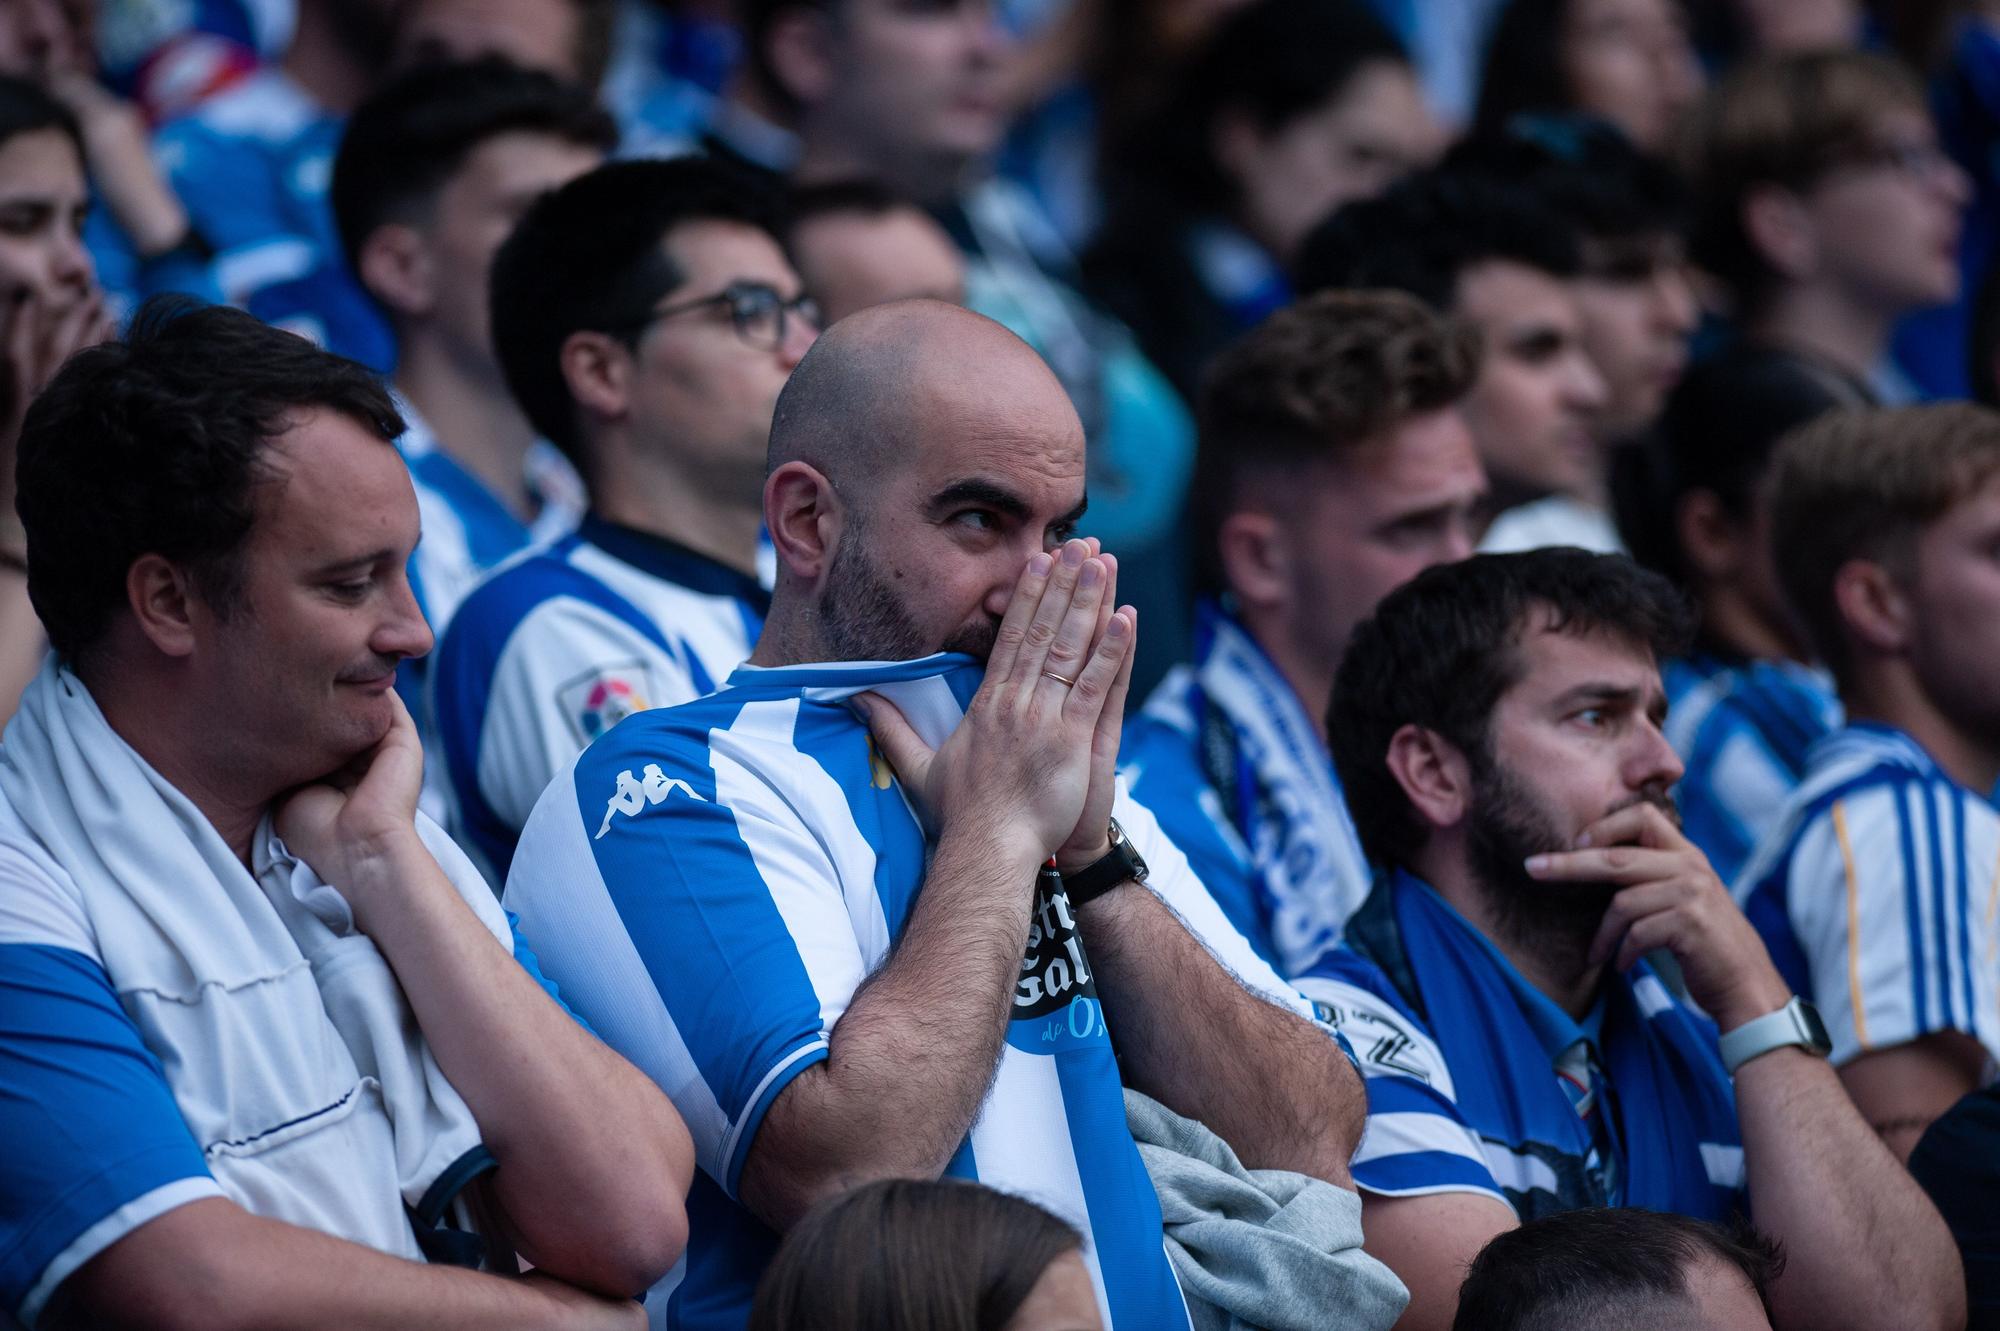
1086 666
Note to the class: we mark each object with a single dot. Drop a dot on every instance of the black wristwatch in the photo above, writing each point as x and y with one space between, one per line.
1117 865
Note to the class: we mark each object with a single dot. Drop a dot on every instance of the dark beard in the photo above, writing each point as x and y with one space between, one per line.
1506 825
862 619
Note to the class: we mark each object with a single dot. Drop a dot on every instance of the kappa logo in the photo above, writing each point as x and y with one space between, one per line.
636 794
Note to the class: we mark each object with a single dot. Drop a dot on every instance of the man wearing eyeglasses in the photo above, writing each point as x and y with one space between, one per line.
645 317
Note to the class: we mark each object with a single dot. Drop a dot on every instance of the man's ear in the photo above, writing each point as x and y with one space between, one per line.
804 517
1774 218
598 369
1713 542
1434 774
162 598
799 47
1256 556
1873 607
395 266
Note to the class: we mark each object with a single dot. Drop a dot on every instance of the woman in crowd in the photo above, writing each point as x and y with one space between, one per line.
1626 61
1294 108
49 307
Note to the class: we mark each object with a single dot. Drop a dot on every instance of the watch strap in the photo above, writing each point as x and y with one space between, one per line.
1120 864
1796 1023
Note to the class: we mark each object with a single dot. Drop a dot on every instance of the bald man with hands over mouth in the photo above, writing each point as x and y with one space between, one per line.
815 907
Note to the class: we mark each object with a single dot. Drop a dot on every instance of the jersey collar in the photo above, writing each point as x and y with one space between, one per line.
673 562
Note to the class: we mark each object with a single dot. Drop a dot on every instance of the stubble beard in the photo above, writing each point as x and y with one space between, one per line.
862 618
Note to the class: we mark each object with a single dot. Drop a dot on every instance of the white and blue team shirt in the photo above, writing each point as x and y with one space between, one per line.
1742 729
1227 757
95 1143
1465 1063
714 882
557 647
467 529
1879 895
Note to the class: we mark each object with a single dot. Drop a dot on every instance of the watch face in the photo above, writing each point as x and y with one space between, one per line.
1815 1028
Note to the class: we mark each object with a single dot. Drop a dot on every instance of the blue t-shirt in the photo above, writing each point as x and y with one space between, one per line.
715 881
1460 1054
1742 729
1878 895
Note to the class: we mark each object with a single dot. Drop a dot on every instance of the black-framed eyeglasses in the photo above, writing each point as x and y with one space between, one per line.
759 313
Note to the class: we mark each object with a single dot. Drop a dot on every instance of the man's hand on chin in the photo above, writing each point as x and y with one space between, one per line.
351 824
1669 896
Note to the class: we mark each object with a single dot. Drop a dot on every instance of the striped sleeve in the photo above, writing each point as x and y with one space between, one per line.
694 920
1416 1143
1890 894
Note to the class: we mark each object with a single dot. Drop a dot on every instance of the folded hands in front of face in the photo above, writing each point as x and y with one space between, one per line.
1669 897
349 823
1034 760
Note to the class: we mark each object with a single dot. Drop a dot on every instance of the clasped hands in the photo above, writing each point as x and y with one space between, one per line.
1033 765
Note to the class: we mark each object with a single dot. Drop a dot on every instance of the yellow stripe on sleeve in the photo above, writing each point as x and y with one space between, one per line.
1853 925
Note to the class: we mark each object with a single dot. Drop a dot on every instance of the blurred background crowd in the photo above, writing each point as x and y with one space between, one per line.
1799 193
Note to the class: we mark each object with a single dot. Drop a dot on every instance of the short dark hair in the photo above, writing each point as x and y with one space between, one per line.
1603 1268
1325 377
1270 61
155 444
910 1255
1425 232
1862 484
25 108
1717 433
406 141
590 256
1583 168
1440 651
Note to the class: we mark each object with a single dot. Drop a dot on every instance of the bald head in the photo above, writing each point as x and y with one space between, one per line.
921 457
911 375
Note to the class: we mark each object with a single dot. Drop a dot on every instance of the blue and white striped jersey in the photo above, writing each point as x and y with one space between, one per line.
1879 895
714 882
558 646
1742 729
467 530
1463 1061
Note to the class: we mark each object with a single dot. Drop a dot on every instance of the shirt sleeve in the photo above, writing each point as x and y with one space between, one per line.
95 1144
514 711
1890 895
1416 1142
696 922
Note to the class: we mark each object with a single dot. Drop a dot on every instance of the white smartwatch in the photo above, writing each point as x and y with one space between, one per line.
1796 1023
